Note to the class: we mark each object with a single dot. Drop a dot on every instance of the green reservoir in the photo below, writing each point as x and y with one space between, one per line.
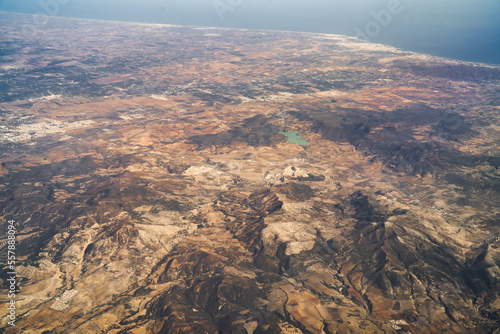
295 138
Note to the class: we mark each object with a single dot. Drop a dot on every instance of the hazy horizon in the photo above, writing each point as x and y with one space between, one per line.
464 30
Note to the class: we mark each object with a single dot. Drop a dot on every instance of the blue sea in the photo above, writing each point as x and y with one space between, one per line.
458 29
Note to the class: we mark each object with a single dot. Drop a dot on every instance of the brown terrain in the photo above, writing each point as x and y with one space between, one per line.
152 191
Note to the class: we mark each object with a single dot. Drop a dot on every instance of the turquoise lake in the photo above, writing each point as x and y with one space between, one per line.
295 138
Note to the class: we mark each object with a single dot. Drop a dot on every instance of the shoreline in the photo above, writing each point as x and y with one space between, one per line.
269 30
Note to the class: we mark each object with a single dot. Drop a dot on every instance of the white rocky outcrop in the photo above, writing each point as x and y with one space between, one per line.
298 237
285 175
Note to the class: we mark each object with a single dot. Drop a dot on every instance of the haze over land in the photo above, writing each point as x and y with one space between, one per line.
457 29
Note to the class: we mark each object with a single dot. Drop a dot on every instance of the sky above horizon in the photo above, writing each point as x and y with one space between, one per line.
460 29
